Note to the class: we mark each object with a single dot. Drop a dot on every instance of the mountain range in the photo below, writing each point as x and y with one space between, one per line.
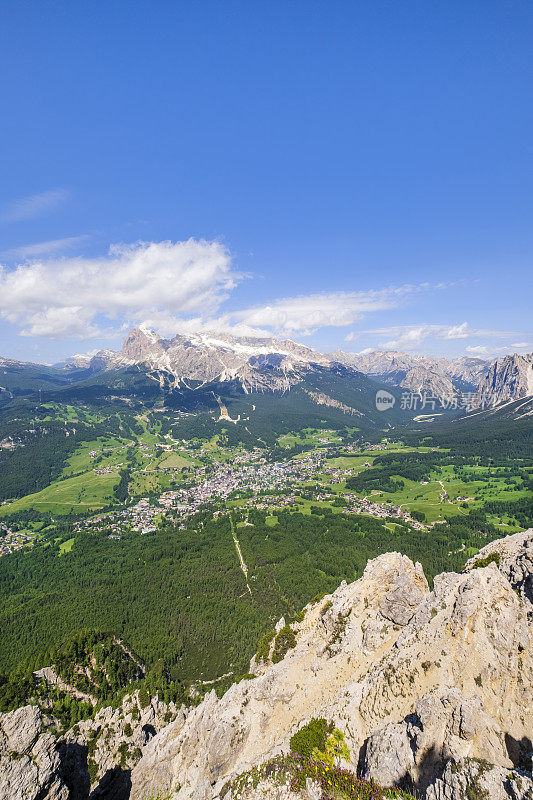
217 356
264 365
257 364
269 364
417 373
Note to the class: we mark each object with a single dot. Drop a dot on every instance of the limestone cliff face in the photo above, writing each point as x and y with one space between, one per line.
416 679
509 378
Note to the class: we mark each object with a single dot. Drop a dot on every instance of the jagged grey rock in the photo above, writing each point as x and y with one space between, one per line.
440 729
35 765
515 561
21 727
402 599
389 756
29 759
471 778
110 730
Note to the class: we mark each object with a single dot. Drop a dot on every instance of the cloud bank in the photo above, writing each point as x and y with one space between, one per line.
173 286
80 297
411 337
305 314
180 287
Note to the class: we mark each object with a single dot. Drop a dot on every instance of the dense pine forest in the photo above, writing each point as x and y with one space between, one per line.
178 597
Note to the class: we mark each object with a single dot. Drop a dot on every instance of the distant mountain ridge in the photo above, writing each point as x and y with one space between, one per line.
273 365
269 364
441 377
209 356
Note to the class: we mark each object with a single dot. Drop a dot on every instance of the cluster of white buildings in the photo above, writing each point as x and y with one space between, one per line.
253 480
366 506
11 540
141 517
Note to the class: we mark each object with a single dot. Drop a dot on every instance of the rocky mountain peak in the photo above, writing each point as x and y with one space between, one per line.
260 363
440 377
139 342
509 378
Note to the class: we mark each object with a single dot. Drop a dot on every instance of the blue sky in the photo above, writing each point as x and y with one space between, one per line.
349 174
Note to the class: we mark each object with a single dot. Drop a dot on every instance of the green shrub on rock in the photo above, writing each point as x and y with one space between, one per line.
335 750
493 558
282 643
312 736
263 648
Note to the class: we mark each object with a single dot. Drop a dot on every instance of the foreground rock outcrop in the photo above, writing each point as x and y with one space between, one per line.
432 690
425 685
478 779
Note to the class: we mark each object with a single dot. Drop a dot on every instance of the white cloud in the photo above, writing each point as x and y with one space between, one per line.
59 322
409 337
174 287
168 325
489 350
46 248
33 206
303 315
458 332
133 283
179 287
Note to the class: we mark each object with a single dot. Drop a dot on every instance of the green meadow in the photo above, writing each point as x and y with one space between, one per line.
85 492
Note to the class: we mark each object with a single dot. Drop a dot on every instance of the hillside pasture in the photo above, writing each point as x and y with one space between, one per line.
85 492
